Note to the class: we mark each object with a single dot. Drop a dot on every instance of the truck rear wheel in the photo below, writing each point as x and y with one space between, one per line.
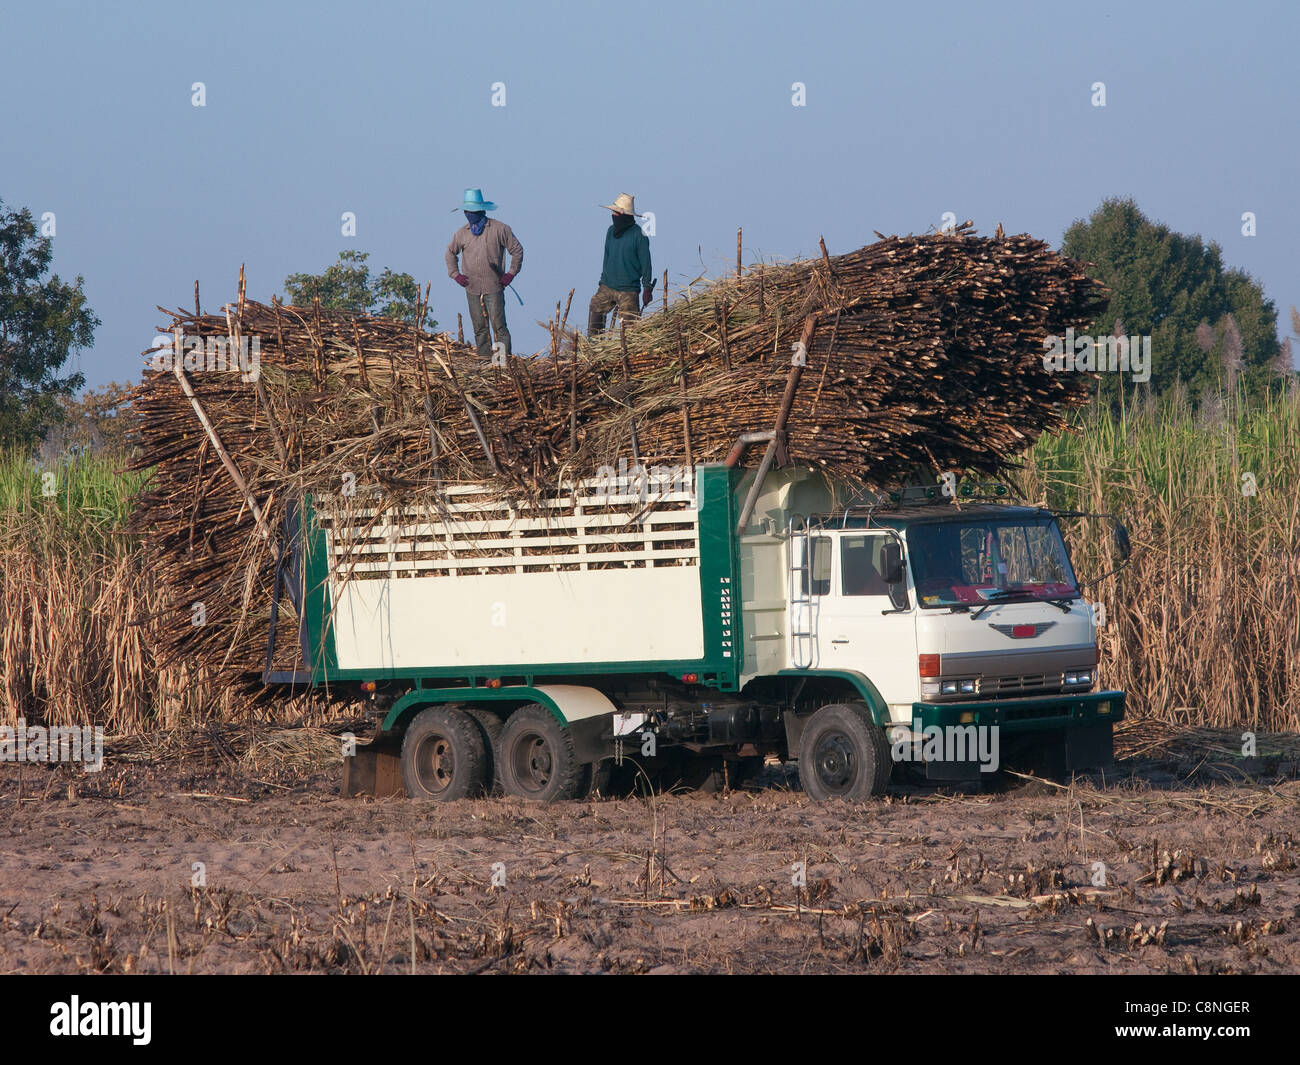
489 721
844 754
444 757
536 759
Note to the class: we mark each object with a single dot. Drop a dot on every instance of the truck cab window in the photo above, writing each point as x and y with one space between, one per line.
860 566
820 567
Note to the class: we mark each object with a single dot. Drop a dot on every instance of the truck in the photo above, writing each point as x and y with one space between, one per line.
691 624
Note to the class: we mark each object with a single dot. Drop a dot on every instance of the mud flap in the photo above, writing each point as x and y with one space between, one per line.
953 771
375 768
1090 747
1057 753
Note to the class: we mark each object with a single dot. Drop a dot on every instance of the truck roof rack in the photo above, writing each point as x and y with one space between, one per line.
922 495
968 491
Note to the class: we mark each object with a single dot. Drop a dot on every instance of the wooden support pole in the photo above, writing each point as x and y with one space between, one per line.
573 398
217 445
686 411
720 313
361 356
564 320
433 437
473 417
627 377
778 433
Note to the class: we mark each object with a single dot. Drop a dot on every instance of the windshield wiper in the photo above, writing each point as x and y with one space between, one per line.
1002 595
1007 595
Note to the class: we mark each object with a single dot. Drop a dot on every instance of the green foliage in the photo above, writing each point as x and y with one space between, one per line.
1171 450
43 320
1208 324
89 507
347 286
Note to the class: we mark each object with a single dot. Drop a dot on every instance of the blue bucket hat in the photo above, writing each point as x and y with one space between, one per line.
474 202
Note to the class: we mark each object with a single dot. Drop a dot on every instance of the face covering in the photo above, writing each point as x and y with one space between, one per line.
622 223
477 220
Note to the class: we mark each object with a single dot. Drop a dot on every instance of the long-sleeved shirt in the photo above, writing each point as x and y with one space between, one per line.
482 257
627 260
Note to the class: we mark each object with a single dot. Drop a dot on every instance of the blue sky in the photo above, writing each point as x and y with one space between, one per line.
385 109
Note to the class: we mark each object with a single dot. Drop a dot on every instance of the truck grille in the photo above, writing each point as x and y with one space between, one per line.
1023 684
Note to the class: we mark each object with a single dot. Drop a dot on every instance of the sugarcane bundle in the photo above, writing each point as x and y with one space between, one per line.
912 352
924 352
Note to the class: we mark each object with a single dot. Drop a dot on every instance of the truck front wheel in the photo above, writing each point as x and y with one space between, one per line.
536 757
844 754
444 757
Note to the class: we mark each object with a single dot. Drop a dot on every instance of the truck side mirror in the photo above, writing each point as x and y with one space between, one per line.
1122 544
891 562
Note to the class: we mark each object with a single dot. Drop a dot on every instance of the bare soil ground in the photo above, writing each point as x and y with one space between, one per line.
1198 851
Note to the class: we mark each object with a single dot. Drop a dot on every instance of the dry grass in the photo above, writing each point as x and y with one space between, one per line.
1203 627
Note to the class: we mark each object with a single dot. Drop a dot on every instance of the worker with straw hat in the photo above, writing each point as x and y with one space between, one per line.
626 268
476 260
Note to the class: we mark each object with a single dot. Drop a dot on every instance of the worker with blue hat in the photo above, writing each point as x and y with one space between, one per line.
476 262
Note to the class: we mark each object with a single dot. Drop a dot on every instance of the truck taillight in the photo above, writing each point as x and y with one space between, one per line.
690 678
368 685
929 665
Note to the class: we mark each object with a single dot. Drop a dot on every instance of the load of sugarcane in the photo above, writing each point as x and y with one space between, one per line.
912 353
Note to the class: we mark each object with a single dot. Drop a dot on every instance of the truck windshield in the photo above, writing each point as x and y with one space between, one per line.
980 561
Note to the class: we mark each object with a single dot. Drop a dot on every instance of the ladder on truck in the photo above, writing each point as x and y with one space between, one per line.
803 619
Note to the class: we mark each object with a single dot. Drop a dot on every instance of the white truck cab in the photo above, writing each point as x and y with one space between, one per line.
981 601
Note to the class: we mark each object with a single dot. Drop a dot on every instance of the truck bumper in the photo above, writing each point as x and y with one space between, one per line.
1027 714
1050 735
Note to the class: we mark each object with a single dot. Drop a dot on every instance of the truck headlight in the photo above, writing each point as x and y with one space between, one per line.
968 686
948 687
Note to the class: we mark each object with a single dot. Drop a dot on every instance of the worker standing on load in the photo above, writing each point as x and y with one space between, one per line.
626 269
475 261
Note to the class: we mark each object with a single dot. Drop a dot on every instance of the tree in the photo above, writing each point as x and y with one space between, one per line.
94 422
347 286
1207 324
43 320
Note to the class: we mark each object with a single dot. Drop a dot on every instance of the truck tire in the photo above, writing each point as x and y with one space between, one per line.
491 725
536 758
444 757
844 754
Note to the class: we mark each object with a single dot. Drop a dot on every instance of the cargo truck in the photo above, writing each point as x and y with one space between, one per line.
696 623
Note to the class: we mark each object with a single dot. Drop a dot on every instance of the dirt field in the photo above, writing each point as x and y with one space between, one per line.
1199 859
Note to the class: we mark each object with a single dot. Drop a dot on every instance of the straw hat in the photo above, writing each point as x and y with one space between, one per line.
625 204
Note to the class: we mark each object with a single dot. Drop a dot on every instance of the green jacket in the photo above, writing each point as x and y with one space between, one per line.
627 260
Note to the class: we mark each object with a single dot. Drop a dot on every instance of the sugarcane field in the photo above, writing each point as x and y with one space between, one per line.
887 564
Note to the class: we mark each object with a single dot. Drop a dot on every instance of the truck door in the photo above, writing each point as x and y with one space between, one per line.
866 624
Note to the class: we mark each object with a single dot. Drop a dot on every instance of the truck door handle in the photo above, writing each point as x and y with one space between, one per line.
839 641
